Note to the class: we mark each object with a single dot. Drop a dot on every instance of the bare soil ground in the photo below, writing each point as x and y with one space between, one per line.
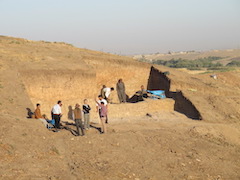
167 145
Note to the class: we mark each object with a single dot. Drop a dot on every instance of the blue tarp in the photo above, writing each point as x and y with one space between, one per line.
159 93
51 122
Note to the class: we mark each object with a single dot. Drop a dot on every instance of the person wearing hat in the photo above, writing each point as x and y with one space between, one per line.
78 119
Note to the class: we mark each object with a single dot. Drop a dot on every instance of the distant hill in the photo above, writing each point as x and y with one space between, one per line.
226 55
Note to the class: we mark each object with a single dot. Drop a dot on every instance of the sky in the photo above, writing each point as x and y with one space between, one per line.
126 27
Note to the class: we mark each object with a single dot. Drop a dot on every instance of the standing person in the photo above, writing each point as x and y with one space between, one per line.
98 108
121 91
103 116
102 93
86 115
78 119
57 114
107 92
39 116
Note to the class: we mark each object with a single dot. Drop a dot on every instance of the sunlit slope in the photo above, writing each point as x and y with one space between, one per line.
52 71
44 72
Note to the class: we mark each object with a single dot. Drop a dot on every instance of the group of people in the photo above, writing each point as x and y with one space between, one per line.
77 116
83 123
120 86
57 114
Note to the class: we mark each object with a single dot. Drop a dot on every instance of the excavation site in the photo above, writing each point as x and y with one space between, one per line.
190 132
72 85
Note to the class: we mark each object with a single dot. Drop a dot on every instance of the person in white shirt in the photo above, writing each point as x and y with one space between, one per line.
57 113
100 99
107 92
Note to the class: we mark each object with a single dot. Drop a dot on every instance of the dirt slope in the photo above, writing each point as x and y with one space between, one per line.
167 145
217 100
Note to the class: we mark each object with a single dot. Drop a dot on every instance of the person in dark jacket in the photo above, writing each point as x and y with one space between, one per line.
142 92
86 114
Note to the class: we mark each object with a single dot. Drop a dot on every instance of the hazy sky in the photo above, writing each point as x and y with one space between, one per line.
126 26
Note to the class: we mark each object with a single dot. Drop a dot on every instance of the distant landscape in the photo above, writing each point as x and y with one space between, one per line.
218 60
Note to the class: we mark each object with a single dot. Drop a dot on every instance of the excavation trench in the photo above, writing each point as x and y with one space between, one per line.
159 81
75 85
